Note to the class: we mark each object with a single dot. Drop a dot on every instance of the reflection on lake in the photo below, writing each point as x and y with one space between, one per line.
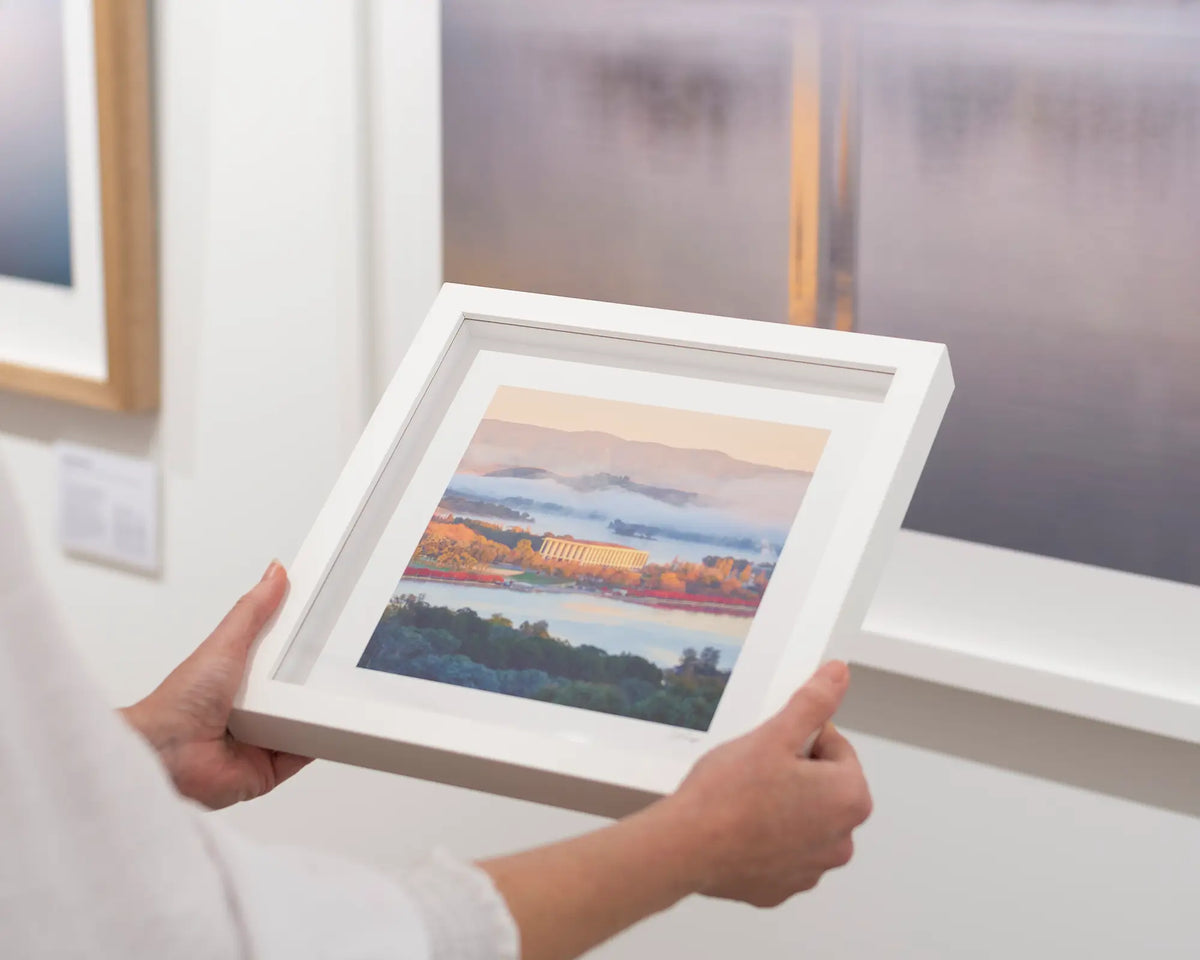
612 625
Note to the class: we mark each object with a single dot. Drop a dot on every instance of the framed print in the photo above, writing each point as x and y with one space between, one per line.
78 288
580 543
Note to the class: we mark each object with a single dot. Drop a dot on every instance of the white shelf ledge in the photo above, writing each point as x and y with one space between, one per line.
1109 646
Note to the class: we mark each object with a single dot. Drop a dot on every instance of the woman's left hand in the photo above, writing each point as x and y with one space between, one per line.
186 718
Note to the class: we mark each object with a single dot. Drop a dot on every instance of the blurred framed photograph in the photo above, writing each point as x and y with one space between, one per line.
78 284
580 543
707 153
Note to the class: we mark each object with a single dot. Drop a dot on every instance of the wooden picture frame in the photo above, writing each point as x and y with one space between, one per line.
127 375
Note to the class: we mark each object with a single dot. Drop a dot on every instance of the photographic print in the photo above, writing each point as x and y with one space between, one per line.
598 554
35 221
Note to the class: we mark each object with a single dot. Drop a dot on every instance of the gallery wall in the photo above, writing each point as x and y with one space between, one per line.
1000 831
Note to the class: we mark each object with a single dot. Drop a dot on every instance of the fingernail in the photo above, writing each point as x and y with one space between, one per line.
835 671
272 569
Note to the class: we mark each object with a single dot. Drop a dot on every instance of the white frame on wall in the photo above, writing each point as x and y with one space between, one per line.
882 399
1100 644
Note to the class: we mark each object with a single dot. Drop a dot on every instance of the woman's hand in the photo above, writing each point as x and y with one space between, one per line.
186 718
756 820
772 821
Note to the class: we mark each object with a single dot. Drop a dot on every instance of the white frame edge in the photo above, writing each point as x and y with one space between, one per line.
273 712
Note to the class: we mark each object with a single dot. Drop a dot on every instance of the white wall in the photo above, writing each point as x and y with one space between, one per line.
1000 831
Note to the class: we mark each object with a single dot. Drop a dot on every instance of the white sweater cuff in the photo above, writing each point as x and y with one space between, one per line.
464 914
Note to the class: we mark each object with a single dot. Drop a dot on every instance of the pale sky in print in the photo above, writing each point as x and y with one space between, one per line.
755 441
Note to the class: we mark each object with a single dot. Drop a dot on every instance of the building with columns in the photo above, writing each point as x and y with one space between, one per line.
598 554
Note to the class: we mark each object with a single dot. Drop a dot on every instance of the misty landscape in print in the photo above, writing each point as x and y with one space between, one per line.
598 554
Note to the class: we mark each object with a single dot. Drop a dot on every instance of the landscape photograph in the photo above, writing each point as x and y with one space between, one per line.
598 554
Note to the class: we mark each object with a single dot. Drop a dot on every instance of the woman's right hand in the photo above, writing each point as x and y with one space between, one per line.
768 820
756 820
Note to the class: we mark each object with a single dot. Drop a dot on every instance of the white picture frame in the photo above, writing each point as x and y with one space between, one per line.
880 400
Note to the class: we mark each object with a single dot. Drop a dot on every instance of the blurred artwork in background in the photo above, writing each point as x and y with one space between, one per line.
1030 195
667 153
1019 180
35 217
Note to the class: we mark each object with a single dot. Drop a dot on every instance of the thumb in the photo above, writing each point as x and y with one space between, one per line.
249 615
813 705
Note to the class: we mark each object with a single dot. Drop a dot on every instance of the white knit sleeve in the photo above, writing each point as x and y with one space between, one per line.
463 912
99 856
292 903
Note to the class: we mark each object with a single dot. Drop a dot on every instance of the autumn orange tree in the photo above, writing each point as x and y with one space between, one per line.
459 545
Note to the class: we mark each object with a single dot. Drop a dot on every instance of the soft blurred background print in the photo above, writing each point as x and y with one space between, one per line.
1018 180
35 220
